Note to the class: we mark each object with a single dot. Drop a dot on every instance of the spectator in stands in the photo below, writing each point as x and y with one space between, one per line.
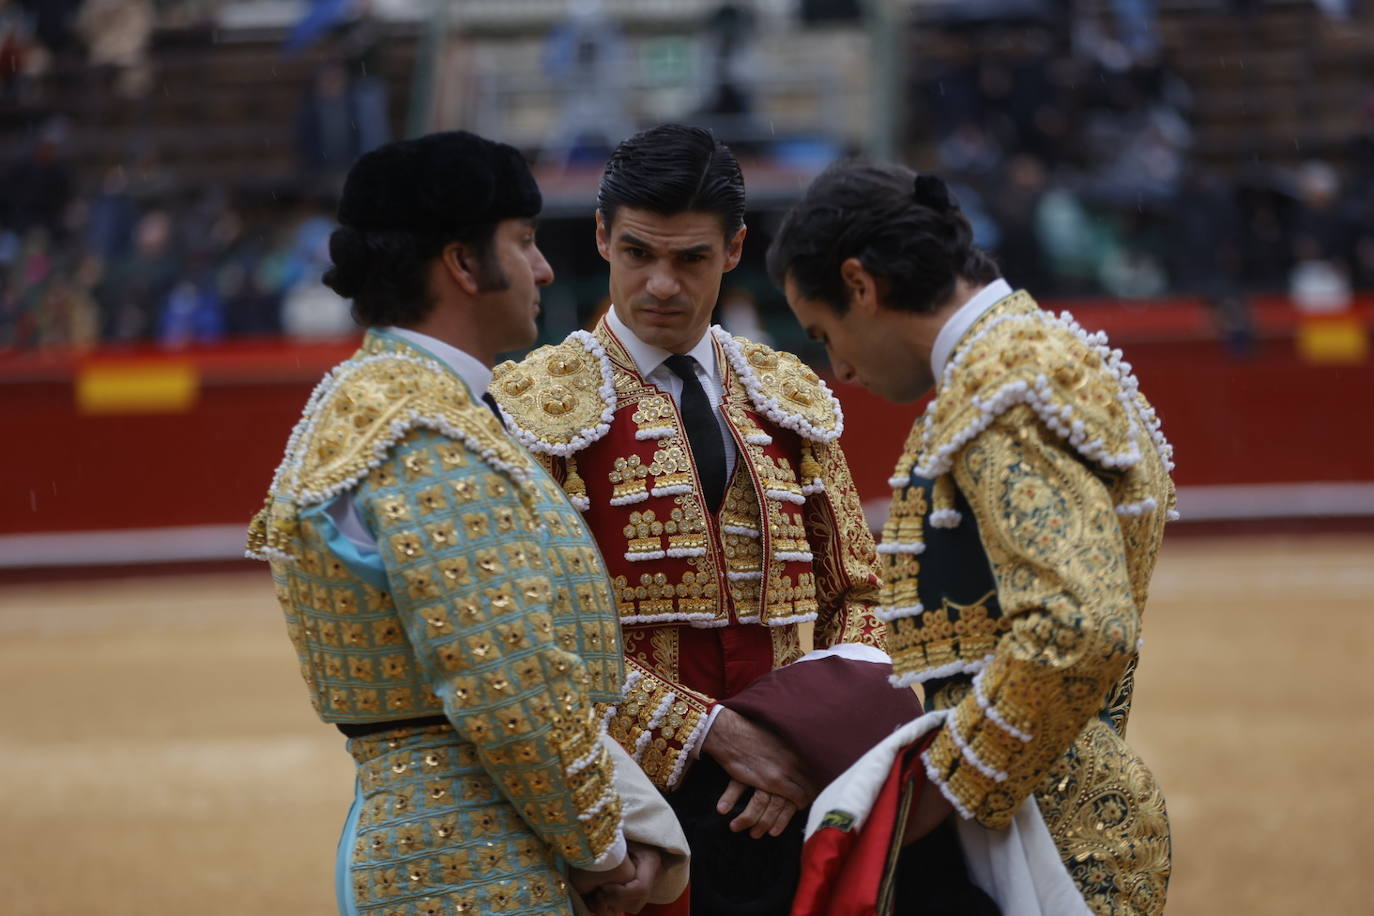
20 53
1206 256
327 127
1320 279
117 33
54 22
1015 207
134 288
68 317
38 187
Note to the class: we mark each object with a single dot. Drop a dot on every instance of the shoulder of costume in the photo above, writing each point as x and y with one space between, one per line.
1073 381
783 388
560 398
369 403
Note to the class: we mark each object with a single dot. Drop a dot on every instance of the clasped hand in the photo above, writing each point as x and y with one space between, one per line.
623 889
755 759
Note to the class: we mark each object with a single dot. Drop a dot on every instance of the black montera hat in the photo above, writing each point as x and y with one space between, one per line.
436 183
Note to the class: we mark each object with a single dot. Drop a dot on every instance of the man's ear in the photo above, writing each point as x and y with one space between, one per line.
603 237
460 264
860 286
734 249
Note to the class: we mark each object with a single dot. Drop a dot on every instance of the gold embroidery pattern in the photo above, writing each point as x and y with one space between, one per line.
657 721
433 836
556 395
845 564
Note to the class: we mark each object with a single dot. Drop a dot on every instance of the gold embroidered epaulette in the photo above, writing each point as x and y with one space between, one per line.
355 415
560 398
783 388
1077 385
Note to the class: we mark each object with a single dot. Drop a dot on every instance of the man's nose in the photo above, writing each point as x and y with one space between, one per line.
543 273
663 283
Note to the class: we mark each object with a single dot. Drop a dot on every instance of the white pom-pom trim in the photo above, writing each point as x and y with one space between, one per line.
631 499
743 576
793 556
993 714
742 530
911 547
945 518
659 432
934 776
679 552
770 407
1039 397
952 728
685 754
785 496
645 556
1144 507
889 613
939 671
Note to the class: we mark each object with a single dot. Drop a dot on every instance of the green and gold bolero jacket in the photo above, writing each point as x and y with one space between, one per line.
1026 517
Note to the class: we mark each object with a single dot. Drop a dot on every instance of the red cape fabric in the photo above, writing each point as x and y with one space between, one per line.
842 868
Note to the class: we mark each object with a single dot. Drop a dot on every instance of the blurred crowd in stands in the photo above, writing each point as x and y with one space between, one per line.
1070 145
1073 154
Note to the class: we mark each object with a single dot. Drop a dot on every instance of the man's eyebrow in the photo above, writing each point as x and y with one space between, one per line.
629 238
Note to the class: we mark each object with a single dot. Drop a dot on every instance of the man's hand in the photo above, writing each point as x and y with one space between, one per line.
765 813
584 882
756 759
632 895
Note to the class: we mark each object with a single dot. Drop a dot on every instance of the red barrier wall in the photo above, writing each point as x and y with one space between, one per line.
1271 418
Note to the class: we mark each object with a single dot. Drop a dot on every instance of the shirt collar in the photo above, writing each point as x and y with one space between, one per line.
963 318
466 366
648 358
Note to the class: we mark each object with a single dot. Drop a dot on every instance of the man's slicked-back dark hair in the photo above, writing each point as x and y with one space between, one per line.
906 230
672 169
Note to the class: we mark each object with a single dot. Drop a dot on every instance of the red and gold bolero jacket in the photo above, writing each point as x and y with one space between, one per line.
789 546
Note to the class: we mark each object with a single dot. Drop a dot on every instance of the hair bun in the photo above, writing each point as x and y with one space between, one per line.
931 191
350 254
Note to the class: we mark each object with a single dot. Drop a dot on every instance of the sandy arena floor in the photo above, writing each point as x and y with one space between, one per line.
158 755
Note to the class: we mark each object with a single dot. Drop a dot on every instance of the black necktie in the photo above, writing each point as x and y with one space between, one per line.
703 432
491 402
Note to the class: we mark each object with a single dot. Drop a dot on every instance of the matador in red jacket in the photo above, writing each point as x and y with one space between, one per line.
709 470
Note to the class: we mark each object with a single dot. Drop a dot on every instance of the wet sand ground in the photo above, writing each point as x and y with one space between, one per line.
158 755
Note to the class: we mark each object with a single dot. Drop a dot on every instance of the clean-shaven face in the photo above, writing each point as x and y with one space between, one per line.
868 347
666 272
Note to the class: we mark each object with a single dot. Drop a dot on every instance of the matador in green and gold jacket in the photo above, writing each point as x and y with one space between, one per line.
464 654
1027 513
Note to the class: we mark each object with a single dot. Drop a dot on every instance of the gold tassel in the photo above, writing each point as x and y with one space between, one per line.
573 484
943 514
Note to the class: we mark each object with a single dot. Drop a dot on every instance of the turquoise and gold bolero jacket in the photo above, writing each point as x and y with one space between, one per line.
485 601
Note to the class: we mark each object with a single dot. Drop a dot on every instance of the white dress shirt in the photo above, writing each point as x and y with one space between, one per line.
650 361
963 319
